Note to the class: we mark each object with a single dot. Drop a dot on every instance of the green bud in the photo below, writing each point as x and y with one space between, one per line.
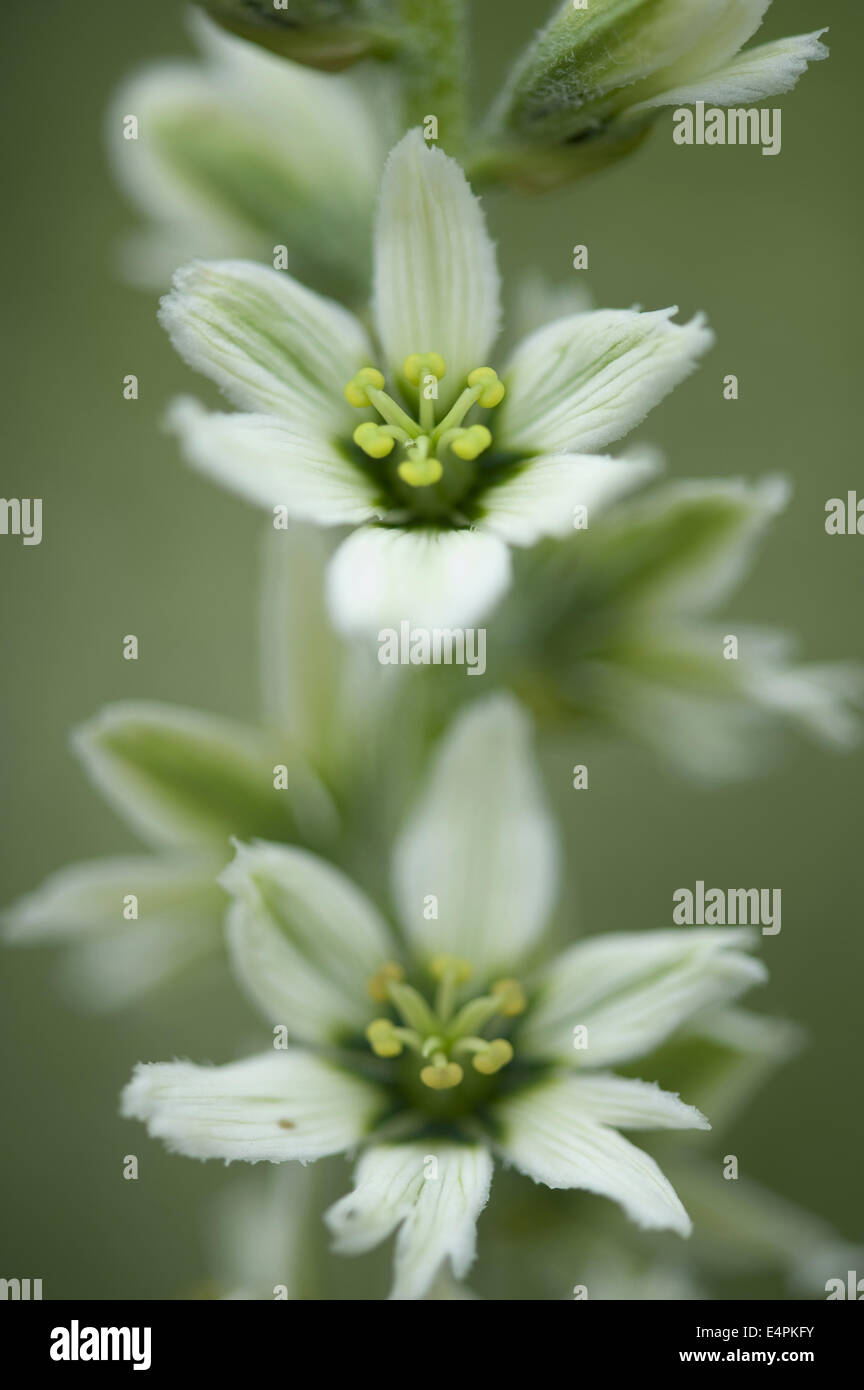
326 34
593 82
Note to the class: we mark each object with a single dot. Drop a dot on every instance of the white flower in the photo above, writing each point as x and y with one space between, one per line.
438 1047
185 782
451 465
245 152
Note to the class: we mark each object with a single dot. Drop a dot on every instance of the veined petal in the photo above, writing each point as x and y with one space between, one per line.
276 464
631 990
381 576
268 343
87 899
683 547
304 941
760 72
629 1104
436 279
433 1192
732 23
585 380
269 1108
182 777
482 841
542 497
547 1137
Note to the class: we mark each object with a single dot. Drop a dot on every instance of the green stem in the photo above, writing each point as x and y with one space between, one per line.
436 60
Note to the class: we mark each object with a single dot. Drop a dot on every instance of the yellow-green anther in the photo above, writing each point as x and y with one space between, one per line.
493 391
494 1056
391 972
443 1075
356 392
373 440
511 996
420 472
422 364
470 443
460 969
383 1038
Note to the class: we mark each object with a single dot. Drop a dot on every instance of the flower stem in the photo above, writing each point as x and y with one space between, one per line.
436 57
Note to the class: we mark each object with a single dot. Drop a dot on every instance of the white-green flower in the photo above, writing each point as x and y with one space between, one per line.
440 464
186 782
244 153
444 1042
629 639
596 77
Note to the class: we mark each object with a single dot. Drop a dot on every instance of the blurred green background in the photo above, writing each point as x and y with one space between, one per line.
134 542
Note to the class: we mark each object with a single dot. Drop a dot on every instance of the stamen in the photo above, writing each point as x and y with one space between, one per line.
356 392
382 1038
493 391
379 986
494 1056
442 1075
423 364
451 972
373 440
469 444
511 996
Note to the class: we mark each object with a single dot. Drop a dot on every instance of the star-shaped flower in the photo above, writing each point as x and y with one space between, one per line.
440 463
440 1044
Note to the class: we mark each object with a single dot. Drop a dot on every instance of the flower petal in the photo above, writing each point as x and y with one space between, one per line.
482 841
631 990
382 576
585 380
269 1108
547 1137
629 1104
542 497
275 464
759 72
86 899
433 1192
304 941
269 344
684 547
182 777
436 280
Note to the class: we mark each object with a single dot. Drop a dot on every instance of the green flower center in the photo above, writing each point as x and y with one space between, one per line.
425 453
443 1038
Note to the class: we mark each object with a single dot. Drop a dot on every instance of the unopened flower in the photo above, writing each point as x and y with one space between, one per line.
597 76
186 782
246 154
440 462
438 1047
630 640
